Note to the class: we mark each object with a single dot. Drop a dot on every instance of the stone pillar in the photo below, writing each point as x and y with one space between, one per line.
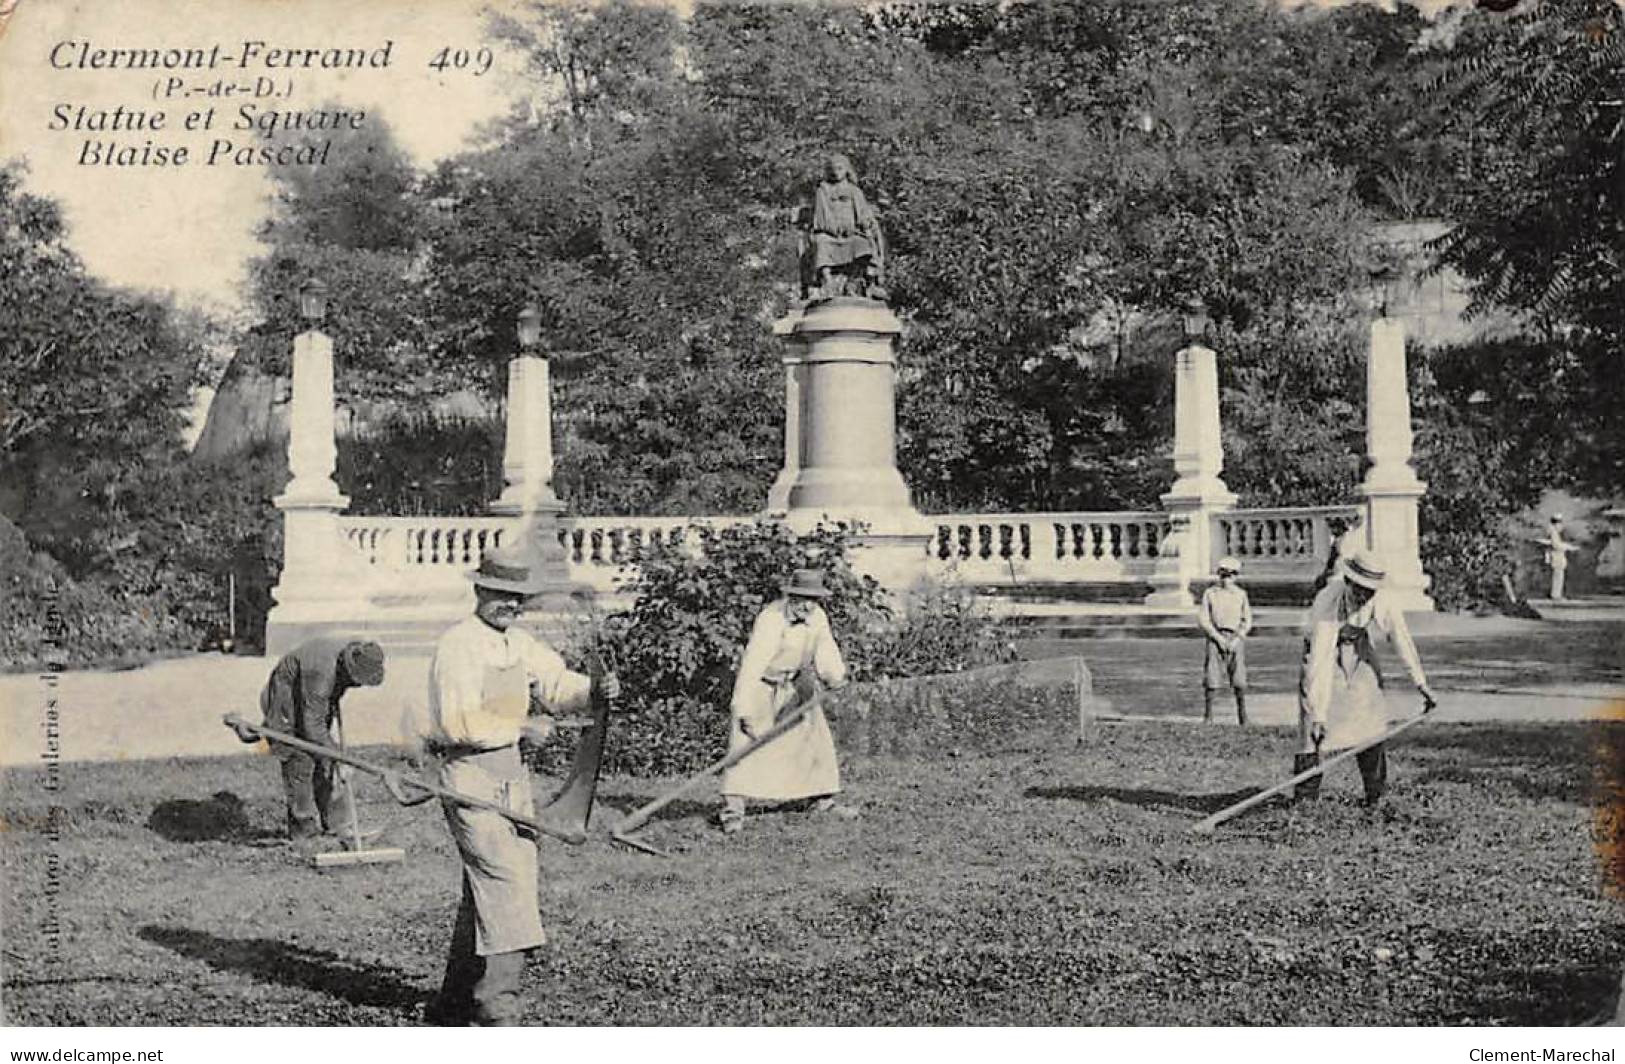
778 496
527 454
846 462
316 589
1391 488
528 494
1198 493
1611 558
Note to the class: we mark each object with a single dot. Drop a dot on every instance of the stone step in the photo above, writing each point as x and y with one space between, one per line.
1128 622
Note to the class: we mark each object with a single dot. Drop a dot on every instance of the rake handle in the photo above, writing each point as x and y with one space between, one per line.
1204 826
317 750
641 816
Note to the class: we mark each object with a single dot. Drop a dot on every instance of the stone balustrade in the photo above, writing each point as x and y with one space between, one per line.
595 548
1047 547
989 549
1284 542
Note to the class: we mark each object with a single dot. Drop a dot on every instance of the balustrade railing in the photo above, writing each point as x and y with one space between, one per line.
1287 543
1280 541
595 548
1086 547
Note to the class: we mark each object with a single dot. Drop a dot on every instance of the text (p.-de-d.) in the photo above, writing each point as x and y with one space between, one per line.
250 120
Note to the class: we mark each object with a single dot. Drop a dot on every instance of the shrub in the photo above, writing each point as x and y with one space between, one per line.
423 464
50 620
677 648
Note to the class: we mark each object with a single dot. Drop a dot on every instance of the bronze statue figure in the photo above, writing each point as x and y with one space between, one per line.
843 252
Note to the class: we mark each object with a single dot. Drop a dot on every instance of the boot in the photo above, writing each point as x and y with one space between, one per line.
496 993
1207 705
1309 789
1373 772
1241 708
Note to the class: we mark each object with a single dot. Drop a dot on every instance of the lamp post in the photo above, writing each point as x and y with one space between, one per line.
1198 490
527 458
312 591
1391 488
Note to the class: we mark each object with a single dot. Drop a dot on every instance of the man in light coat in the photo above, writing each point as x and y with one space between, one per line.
1558 550
480 685
790 641
1340 685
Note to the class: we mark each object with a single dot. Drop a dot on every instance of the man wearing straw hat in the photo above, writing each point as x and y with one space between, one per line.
1340 696
790 641
480 686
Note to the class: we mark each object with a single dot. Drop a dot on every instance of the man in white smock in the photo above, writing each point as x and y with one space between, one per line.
480 687
790 641
1340 699
1558 550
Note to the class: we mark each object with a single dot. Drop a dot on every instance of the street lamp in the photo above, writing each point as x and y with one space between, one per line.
530 328
1382 280
313 300
1196 320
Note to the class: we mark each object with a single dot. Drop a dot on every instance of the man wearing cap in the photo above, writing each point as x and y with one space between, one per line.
302 698
1558 550
1226 616
480 685
1340 700
790 641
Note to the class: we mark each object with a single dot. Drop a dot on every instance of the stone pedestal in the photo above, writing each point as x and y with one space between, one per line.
317 587
1187 553
778 496
841 457
1611 558
1391 489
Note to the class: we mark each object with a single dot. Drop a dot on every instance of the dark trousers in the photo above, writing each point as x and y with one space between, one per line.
317 800
483 991
1373 763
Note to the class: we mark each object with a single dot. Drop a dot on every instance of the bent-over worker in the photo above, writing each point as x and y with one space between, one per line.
302 697
790 641
1340 685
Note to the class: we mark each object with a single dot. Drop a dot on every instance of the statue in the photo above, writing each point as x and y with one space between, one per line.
843 252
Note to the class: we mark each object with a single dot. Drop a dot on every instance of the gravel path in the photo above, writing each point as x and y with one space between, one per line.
1566 668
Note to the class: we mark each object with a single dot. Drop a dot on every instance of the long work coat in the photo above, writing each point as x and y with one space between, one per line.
479 695
1340 682
800 763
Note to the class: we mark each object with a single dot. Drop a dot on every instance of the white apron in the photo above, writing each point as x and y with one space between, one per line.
499 862
800 763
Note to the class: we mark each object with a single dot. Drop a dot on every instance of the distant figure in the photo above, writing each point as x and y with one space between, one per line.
790 642
1340 687
845 251
302 698
1226 616
1558 550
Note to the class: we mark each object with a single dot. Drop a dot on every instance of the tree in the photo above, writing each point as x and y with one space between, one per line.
1540 225
93 387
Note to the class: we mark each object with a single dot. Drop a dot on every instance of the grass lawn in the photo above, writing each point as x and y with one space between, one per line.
1026 882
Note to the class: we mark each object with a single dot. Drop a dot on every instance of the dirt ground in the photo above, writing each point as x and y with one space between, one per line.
1030 880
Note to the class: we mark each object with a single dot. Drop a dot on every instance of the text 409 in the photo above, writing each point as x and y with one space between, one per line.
476 61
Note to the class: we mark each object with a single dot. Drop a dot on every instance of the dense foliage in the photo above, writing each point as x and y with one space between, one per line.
1057 183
